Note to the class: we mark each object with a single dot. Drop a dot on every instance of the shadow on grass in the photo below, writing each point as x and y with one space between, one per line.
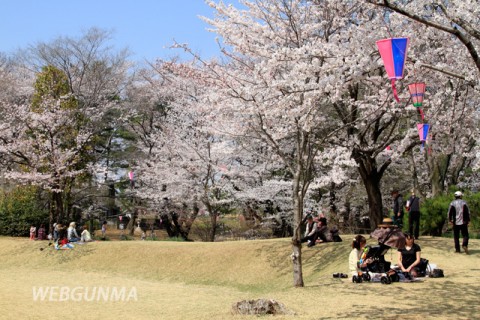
320 256
437 299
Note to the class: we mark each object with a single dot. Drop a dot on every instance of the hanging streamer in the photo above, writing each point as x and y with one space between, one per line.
422 115
394 53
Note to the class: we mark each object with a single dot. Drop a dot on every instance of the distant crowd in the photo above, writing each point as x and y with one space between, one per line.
62 235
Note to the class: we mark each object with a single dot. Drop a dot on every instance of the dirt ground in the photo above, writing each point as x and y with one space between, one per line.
175 280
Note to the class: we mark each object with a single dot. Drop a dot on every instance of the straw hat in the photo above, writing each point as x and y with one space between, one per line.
386 223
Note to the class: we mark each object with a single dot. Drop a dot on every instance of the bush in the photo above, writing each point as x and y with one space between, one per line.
201 229
19 209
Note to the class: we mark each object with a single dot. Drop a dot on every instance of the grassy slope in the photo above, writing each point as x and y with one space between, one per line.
176 280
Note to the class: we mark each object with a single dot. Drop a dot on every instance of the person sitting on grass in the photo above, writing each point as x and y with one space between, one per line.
310 232
72 234
323 233
409 257
355 266
85 236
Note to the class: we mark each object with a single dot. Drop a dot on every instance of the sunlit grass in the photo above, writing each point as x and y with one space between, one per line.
196 280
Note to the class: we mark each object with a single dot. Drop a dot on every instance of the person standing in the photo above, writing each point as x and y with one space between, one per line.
104 229
397 208
459 217
33 231
56 231
41 232
413 208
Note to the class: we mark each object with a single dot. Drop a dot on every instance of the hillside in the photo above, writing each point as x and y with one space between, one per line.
177 280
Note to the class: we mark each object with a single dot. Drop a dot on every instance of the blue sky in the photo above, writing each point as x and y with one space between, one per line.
146 27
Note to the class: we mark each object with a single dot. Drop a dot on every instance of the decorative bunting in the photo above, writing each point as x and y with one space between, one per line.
423 132
417 91
394 53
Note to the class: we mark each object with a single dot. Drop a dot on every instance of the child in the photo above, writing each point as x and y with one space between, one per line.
33 230
354 264
41 232
104 229
85 236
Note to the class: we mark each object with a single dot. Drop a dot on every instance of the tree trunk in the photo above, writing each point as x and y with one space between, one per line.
333 199
192 218
375 205
213 220
178 228
57 204
296 244
52 219
439 168
416 185
166 222
213 230
371 177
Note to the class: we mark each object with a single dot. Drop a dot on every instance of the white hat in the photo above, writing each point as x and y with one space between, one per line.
458 193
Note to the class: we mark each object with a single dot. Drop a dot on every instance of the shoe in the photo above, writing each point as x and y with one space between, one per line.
465 248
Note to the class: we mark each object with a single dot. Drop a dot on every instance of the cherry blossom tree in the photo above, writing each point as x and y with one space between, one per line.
297 72
443 46
457 18
183 160
50 139
281 69
65 89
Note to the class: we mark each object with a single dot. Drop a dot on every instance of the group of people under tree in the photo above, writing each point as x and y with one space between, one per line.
408 258
409 261
317 231
61 234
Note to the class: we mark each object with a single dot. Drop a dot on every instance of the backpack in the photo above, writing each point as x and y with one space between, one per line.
436 273
422 267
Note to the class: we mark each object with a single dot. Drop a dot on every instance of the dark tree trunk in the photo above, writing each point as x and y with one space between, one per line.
213 230
332 199
438 169
192 218
371 177
57 204
213 221
166 222
178 228
52 219
416 185
375 205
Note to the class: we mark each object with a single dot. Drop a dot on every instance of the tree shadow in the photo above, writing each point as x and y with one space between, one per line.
442 299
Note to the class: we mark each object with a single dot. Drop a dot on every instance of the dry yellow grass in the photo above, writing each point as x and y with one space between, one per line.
176 280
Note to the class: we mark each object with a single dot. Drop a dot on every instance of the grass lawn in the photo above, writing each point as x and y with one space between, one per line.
178 280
